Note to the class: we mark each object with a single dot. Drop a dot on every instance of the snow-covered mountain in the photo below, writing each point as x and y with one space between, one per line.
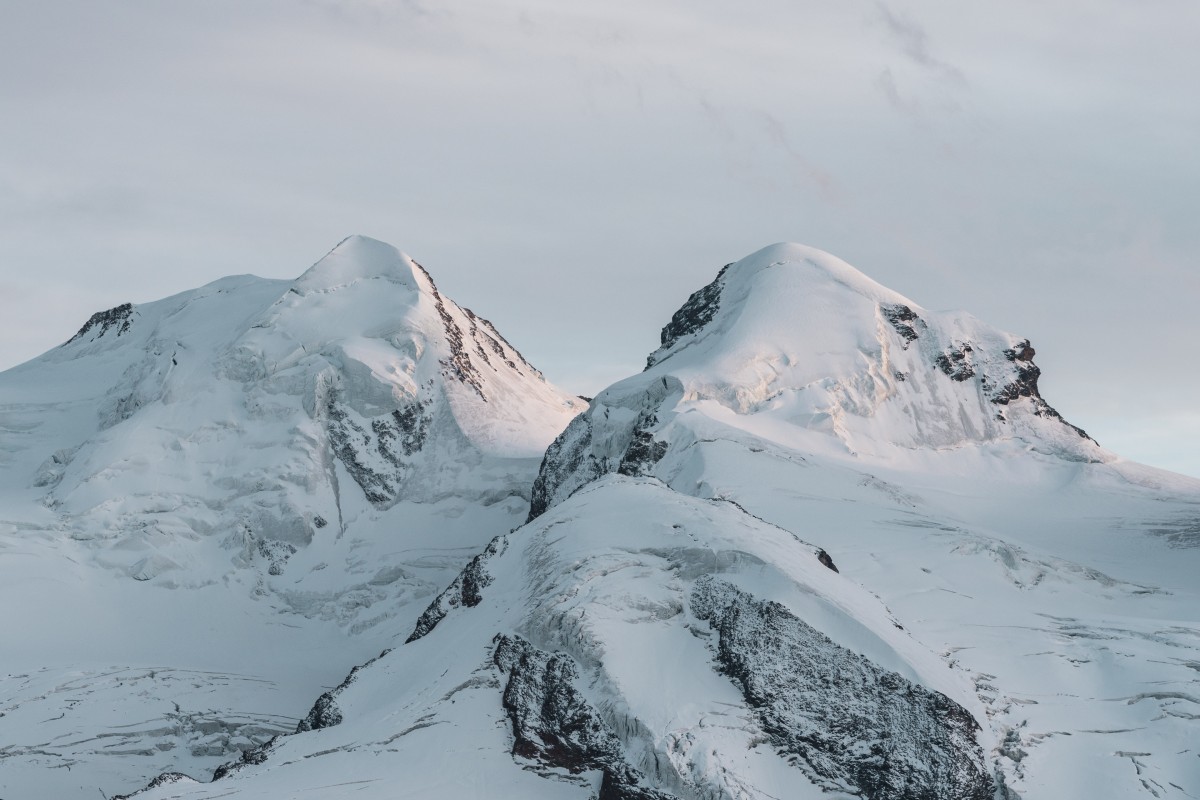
828 544
211 504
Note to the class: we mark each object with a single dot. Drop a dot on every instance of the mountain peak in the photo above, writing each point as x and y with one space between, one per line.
780 288
800 335
811 266
358 258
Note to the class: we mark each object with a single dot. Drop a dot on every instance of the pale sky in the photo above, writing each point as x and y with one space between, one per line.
573 171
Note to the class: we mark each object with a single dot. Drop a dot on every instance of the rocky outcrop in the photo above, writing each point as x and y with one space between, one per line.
466 591
957 362
402 431
458 364
250 758
847 723
325 712
568 464
165 779
114 319
1024 383
904 320
826 561
692 316
554 725
377 454
643 451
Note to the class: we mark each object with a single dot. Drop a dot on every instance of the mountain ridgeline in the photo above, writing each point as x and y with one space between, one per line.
827 544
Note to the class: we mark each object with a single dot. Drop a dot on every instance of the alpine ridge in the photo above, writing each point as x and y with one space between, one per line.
251 482
827 544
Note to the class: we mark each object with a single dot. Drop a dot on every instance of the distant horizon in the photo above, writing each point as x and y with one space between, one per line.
588 391
575 173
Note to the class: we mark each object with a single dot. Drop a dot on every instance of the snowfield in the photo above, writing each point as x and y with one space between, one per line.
214 504
828 544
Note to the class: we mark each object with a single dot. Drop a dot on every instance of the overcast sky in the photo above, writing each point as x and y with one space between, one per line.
574 170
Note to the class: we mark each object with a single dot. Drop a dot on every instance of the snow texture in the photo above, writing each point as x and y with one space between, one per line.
210 503
853 725
829 544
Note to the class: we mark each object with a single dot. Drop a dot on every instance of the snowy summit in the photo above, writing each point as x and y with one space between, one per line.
337 537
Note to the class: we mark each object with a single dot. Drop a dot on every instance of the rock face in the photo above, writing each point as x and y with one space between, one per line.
554 725
325 712
851 725
904 320
699 310
644 451
466 591
116 320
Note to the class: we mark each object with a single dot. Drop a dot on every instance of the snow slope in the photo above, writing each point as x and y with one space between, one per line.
829 544
211 504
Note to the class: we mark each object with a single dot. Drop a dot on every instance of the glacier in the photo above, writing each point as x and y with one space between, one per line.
335 537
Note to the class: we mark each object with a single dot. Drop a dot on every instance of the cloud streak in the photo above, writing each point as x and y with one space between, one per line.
913 41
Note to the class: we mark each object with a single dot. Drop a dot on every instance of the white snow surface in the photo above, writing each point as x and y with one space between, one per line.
187 558
804 336
987 551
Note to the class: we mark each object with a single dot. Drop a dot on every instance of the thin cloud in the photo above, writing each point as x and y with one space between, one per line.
886 82
777 131
914 43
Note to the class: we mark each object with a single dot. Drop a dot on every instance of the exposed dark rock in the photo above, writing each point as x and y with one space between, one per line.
844 721
643 451
1025 384
568 458
693 315
554 725
957 362
165 779
346 437
325 712
394 437
319 522
573 460
479 333
501 346
250 758
276 553
904 320
404 429
826 561
114 319
459 364
465 591
1022 352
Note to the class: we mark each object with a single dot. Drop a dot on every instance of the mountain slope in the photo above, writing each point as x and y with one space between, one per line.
795 338
828 544
214 502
